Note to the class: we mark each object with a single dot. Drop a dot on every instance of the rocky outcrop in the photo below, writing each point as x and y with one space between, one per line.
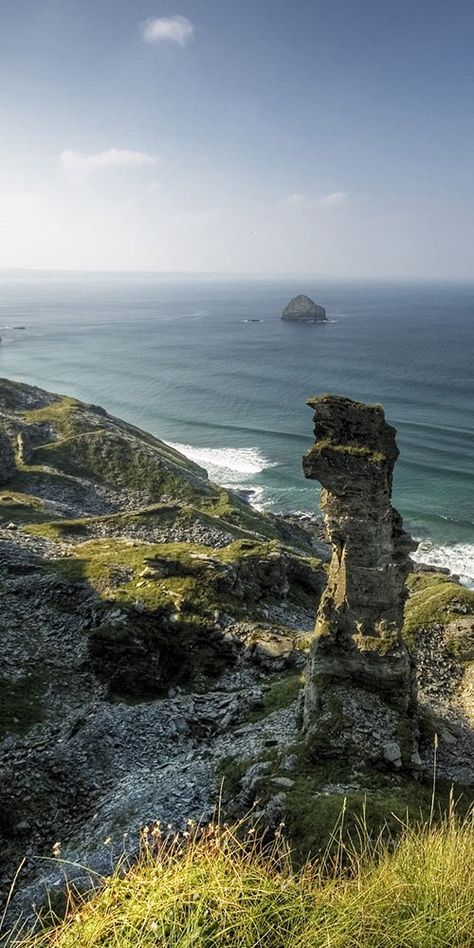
302 309
132 589
154 628
360 694
7 459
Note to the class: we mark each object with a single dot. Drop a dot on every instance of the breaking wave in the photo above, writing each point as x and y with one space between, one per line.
227 465
457 557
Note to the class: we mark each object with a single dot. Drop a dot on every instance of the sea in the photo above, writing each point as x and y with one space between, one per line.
206 364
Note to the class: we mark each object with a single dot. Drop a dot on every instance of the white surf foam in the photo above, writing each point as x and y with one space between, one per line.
458 558
226 464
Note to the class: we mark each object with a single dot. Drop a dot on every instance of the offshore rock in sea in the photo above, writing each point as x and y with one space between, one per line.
359 699
303 309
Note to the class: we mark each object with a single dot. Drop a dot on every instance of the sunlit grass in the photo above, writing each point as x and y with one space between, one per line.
222 887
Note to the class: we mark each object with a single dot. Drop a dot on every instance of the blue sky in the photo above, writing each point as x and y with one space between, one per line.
333 138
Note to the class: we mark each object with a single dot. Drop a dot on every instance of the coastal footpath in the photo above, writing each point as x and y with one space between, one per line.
159 654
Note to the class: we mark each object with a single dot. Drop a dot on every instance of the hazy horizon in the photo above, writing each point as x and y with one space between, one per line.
273 276
320 138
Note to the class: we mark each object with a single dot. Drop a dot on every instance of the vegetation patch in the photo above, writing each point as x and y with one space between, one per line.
313 817
67 415
157 515
326 802
357 450
183 575
107 457
170 597
21 508
281 694
435 600
221 887
231 770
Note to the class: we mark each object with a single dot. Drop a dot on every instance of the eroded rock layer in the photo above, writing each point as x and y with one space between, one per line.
359 695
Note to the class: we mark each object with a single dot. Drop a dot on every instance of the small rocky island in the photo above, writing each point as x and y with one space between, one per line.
302 309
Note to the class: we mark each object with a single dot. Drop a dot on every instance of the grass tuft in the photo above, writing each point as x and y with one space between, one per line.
222 887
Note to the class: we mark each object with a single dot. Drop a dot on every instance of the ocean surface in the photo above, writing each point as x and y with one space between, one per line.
184 359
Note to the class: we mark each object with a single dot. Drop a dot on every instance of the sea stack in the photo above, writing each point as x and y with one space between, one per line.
359 699
302 309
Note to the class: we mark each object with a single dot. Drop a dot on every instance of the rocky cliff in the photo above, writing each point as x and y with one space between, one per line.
146 615
154 632
360 696
304 310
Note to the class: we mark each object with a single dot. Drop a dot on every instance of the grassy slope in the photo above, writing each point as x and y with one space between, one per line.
217 891
434 599
76 440
73 439
69 445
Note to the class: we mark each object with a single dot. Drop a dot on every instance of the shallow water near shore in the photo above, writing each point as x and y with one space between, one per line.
185 359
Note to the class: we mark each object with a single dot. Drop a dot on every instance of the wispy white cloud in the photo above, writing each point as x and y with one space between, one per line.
172 29
335 199
306 202
294 200
82 164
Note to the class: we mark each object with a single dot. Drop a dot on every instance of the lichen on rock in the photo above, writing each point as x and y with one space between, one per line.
360 694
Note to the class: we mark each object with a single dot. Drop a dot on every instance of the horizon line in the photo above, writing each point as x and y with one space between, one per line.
229 274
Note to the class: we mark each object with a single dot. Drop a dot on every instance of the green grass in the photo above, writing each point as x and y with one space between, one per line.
317 788
155 516
313 805
357 450
229 509
195 570
98 562
434 599
172 594
107 457
91 444
20 508
65 414
71 418
199 579
281 694
217 889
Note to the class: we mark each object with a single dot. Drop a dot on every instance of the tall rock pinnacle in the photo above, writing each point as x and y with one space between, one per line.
359 695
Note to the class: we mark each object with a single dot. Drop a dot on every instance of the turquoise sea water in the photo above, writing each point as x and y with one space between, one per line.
177 357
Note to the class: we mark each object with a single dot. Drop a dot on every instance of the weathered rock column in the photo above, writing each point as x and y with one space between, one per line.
360 694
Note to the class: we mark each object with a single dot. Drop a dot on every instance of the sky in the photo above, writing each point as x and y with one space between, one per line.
325 137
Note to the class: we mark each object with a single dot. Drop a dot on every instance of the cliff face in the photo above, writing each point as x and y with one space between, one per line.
146 613
359 696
